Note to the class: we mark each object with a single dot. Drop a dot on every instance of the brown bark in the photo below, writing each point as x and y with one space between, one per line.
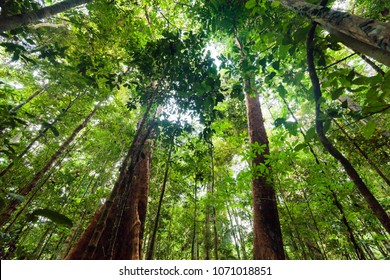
116 230
26 190
268 242
122 234
15 21
372 202
267 234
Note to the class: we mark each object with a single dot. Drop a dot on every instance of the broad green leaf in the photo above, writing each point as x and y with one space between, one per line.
54 216
300 147
369 129
337 93
310 134
292 127
250 4
282 91
279 121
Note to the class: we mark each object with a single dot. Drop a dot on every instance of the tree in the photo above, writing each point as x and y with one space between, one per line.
364 35
208 142
15 21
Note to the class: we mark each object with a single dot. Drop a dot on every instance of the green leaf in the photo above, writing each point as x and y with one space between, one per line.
54 216
279 121
275 4
300 147
369 129
337 93
250 4
310 134
282 91
292 127
54 130
51 127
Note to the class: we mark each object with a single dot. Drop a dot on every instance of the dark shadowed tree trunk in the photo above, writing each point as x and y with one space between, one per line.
26 190
15 21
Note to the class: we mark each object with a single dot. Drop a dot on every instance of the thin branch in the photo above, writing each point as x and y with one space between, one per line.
337 62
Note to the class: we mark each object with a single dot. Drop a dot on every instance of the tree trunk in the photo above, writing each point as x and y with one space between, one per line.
116 230
13 22
150 252
26 190
372 202
351 30
267 234
122 234
268 242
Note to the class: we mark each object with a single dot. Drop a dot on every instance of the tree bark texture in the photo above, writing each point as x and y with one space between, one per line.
350 29
122 235
26 190
268 242
116 230
16 21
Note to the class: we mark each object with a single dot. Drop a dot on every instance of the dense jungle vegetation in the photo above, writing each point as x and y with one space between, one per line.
194 129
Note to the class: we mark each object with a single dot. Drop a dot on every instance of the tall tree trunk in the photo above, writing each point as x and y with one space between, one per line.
12 22
150 252
26 190
116 230
207 235
268 242
122 232
267 234
372 202
350 29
